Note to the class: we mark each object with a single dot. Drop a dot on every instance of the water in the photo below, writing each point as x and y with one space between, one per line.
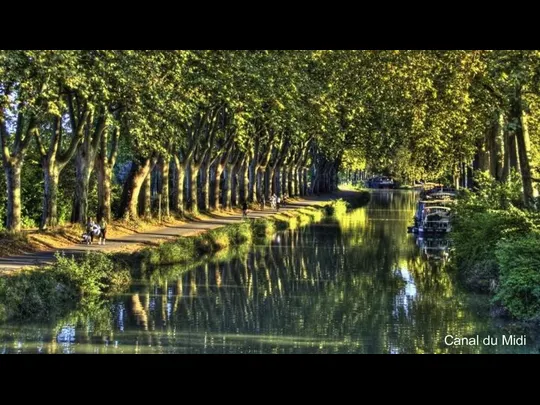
358 284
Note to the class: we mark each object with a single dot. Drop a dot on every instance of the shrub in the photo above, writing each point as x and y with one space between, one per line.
52 290
33 293
519 263
476 234
92 275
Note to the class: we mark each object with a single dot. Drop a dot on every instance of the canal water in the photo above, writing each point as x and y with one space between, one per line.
354 284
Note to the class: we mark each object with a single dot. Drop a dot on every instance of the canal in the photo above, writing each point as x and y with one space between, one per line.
354 284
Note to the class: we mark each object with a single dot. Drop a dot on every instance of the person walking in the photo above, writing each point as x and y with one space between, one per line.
90 229
103 234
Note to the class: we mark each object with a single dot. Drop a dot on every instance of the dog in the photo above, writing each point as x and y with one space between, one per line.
86 238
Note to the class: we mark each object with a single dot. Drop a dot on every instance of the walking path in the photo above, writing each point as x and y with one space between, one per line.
11 263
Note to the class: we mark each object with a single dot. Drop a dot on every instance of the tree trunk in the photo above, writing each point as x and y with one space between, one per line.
147 196
455 177
12 157
483 153
524 151
84 162
132 188
259 184
194 198
296 174
304 187
301 182
216 194
49 216
506 167
284 180
252 184
178 191
290 186
82 174
206 186
244 182
13 184
236 185
164 166
293 185
104 176
272 180
267 190
513 157
497 148
104 166
469 176
227 198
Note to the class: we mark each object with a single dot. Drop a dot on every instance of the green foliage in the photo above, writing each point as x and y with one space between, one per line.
262 228
92 275
497 245
179 251
338 208
519 262
53 290
34 293
491 194
411 113
476 233
481 219
31 191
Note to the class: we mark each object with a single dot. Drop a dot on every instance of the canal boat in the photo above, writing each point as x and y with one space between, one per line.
435 220
381 182
422 208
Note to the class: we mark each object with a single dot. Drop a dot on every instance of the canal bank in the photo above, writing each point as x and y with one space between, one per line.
153 237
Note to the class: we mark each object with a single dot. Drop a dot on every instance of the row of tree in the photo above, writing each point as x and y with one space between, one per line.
211 129
444 114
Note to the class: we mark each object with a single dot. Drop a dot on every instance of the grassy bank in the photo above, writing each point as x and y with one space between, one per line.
497 248
192 248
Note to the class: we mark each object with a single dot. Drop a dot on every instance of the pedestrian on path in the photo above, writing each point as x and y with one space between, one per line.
103 234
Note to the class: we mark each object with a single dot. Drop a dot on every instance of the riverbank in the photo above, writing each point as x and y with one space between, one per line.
497 250
125 238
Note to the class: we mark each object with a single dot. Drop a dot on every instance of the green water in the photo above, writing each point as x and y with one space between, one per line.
357 284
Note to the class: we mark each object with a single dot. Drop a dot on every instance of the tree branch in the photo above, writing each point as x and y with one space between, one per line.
18 132
76 138
29 133
41 148
4 135
100 127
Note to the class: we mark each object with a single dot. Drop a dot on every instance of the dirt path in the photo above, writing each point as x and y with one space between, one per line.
12 263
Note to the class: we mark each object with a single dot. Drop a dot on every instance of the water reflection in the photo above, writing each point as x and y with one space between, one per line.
355 284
